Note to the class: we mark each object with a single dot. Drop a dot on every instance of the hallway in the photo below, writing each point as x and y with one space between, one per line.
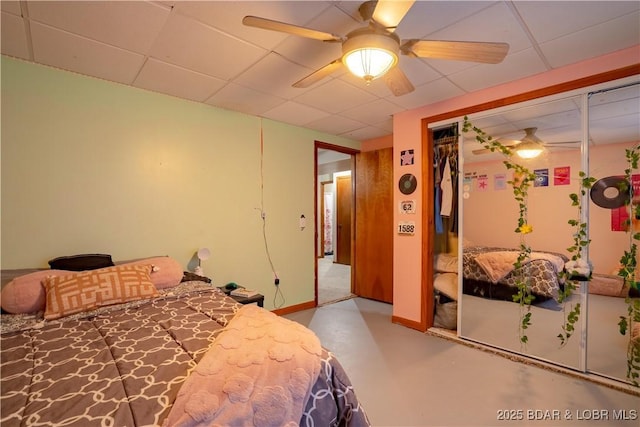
334 281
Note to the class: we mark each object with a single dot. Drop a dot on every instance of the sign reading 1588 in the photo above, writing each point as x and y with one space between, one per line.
407 227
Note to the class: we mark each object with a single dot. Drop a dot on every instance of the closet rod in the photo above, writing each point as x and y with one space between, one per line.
445 140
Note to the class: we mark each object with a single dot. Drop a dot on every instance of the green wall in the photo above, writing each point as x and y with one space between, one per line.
90 166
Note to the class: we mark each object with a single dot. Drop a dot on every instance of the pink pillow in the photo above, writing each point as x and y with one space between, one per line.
25 294
166 272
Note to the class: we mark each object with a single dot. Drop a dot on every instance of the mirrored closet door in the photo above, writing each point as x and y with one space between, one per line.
491 244
614 122
583 134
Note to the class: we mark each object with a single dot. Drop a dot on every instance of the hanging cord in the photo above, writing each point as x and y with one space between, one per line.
263 216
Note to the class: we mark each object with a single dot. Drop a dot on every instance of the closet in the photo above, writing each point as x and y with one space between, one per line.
584 131
445 226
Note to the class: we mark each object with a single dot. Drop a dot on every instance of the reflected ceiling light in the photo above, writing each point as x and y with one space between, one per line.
531 146
528 149
369 55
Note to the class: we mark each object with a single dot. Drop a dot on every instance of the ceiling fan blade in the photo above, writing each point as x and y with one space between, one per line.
389 13
398 82
565 143
319 74
485 52
481 151
268 24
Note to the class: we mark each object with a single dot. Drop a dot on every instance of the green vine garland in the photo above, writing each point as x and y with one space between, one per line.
628 272
572 278
522 181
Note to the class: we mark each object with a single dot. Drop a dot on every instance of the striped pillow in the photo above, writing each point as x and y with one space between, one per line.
74 293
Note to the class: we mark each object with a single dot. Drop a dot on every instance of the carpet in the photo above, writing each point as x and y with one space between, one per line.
334 281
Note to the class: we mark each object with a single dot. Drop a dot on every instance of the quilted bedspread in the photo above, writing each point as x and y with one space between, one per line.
124 365
542 270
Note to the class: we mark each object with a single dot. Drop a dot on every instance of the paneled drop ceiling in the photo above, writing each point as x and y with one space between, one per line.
201 51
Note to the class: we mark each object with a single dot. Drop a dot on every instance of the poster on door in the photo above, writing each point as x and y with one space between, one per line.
328 223
620 218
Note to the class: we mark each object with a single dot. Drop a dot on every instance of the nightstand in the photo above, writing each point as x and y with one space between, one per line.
259 298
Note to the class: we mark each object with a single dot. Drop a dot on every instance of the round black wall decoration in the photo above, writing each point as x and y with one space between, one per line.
407 183
612 199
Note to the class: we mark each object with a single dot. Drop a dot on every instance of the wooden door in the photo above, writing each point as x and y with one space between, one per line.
343 220
373 259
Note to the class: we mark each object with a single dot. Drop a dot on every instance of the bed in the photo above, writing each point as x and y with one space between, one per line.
184 354
488 272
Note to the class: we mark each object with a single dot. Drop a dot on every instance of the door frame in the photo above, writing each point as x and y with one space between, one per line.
319 145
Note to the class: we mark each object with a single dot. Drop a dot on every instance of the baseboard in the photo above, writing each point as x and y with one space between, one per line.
294 308
409 323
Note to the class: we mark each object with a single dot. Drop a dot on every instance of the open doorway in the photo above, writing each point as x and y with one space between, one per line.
334 225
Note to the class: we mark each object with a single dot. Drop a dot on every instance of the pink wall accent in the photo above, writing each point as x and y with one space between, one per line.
407 134
377 143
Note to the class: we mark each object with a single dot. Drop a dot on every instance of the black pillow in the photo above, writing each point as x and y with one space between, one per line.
81 262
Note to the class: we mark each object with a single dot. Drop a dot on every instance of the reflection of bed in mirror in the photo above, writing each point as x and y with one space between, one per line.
489 272
604 118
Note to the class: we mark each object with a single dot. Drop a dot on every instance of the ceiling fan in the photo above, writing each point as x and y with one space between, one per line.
529 146
372 52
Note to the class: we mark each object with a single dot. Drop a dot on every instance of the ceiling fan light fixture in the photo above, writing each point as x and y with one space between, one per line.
370 55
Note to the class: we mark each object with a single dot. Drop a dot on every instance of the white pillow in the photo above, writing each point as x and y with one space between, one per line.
446 263
447 283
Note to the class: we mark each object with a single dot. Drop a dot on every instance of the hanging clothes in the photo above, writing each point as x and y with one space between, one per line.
447 189
437 177
453 163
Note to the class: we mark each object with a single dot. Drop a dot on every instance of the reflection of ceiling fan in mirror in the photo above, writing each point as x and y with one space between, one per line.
529 146
371 52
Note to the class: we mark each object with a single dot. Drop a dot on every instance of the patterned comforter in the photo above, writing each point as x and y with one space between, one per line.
542 276
124 365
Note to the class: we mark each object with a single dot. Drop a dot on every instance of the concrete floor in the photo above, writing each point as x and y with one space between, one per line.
407 378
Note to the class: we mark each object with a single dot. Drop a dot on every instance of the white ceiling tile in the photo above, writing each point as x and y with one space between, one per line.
417 70
343 96
228 17
67 51
239 98
131 25
166 78
275 75
548 20
365 133
294 113
429 93
481 27
14 36
426 17
518 65
597 40
190 44
373 112
12 7
335 124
